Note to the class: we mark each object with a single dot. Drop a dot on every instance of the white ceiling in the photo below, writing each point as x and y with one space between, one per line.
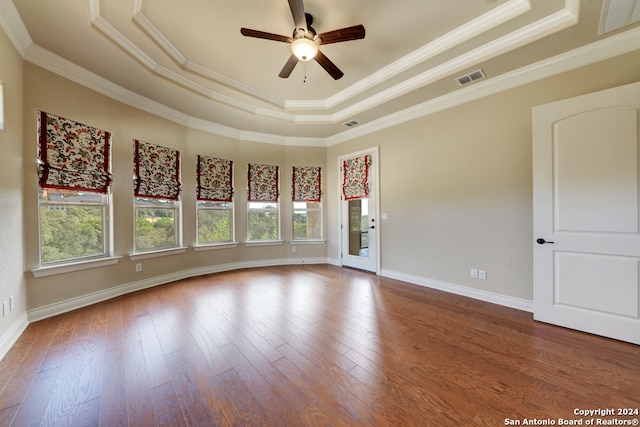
187 60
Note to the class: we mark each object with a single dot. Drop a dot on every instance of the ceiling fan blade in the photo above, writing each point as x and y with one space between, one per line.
264 35
329 66
345 34
297 11
288 67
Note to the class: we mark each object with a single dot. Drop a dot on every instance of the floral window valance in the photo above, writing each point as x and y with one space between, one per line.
156 170
73 156
263 183
306 183
355 183
215 179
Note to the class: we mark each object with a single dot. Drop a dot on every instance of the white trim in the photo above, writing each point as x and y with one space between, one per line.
213 246
334 261
157 253
264 243
52 270
99 296
480 25
375 159
11 22
598 51
609 47
478 294
307 242
9 338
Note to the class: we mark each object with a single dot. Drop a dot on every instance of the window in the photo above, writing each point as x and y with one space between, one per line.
156 197
214 203
73 198
307 221
307 207
263 209
72 225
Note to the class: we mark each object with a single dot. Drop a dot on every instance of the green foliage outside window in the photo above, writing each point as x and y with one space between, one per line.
263 225
68 232
214 225
155 228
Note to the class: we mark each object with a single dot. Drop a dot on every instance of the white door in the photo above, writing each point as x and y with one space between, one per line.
359 229
586 213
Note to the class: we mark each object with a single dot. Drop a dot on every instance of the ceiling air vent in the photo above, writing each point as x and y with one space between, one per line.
471 77
351 123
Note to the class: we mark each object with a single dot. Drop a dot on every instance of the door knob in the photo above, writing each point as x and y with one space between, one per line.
541 241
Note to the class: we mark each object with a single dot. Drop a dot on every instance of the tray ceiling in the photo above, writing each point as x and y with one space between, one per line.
187 60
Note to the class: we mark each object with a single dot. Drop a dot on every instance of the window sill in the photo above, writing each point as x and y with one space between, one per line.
265 243
154 254
52 270
215 246
307 242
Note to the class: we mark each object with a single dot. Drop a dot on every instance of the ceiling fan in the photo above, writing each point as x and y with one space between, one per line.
305 41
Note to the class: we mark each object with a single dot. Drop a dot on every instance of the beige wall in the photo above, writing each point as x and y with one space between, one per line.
457 184
49 92
11 187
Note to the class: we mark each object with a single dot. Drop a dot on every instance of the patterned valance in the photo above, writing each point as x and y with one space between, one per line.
355 183
215 179
156 170
73 156
263 183
306 183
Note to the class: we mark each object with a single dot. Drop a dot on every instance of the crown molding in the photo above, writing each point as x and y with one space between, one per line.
14 28
528 34
174 53
508 11
486 22
607 48
611 47
473 28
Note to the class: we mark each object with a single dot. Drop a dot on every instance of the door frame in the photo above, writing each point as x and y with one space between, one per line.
374 190
550 242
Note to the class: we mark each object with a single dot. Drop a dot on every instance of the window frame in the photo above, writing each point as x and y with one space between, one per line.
106 231
295 210
232 224
75 174
177 226
276 209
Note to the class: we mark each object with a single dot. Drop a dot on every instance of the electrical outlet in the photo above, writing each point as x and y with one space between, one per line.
138 267
474 273
5 308
12 303
482 275
294 249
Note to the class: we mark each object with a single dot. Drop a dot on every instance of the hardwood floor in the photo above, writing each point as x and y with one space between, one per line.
308 346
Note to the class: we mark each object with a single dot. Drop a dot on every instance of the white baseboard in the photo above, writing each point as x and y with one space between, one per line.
116 291
334 261
9 338
507 301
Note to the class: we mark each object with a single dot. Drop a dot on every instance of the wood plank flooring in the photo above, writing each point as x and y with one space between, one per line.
310 345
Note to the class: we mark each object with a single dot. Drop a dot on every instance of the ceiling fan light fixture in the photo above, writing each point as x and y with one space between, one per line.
304 49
